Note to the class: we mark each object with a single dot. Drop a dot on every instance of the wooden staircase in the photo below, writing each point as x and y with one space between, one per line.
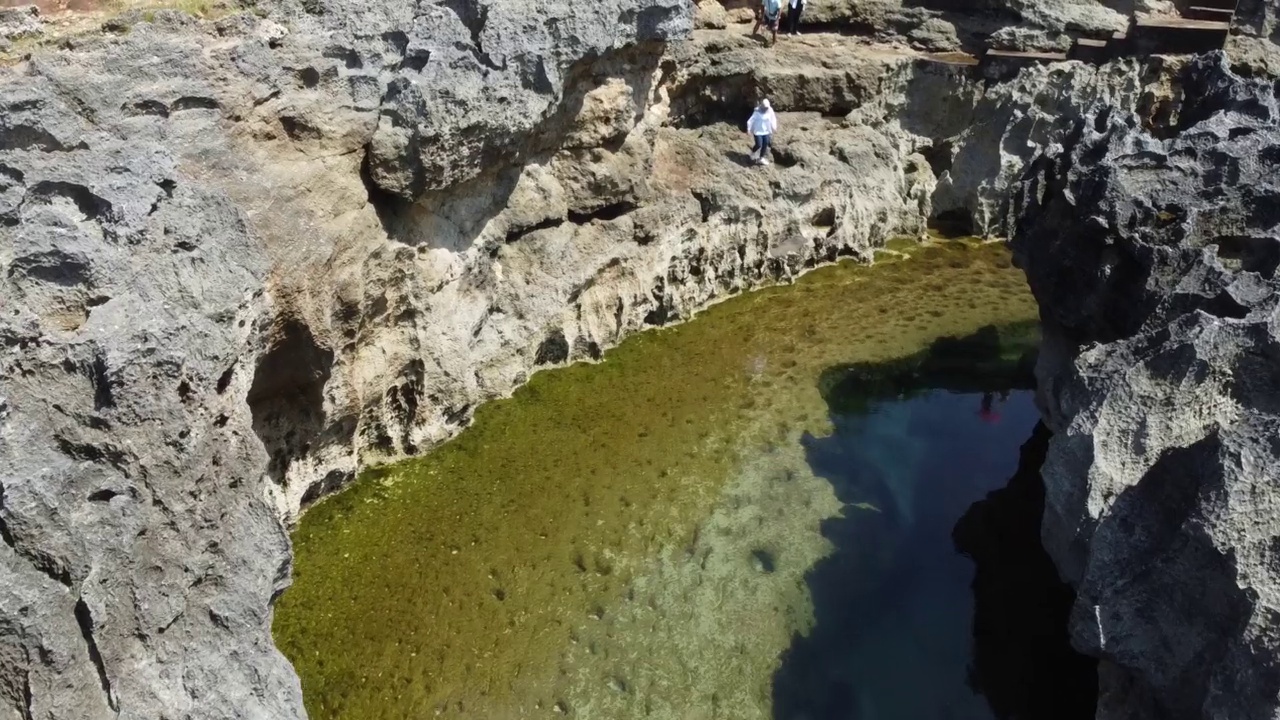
1202 27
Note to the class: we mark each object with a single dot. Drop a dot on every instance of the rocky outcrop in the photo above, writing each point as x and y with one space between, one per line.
1154 256
978 135
1255 31
454 108
17 23
186 231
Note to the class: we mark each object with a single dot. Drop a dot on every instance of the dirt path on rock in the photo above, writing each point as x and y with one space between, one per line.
49 7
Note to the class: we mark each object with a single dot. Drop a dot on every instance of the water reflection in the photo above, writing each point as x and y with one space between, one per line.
913 446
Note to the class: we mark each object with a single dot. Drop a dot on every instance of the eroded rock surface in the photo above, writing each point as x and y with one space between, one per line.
1154 259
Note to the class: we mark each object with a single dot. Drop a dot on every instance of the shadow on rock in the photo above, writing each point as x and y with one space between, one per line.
741 158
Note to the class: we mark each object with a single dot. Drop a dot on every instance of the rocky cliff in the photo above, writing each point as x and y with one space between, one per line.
193 260
1153 254
243 258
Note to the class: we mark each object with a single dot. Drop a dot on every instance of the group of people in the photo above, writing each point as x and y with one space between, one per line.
769 14
764 121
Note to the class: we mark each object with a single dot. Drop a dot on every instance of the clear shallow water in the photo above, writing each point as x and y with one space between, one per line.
645 537
892 638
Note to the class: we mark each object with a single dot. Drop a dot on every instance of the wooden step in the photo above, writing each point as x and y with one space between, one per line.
1091 50
1217 4
1158 22
952 58
1201 12
1025 55
1165 35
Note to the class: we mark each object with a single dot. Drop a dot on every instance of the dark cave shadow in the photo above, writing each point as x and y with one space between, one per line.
814 680
992 359
1023 662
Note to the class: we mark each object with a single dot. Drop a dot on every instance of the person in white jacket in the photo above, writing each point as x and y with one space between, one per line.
762 125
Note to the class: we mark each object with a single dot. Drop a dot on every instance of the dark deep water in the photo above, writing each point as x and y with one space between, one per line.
938 602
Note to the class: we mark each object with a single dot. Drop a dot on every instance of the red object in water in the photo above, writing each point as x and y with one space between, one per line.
985 411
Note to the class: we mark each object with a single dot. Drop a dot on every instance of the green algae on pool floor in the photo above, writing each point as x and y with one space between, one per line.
471 582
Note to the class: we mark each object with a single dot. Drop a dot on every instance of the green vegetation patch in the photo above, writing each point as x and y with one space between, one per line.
452 583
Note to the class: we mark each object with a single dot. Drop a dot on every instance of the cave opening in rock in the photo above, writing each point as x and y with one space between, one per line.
286 398
940 156
731 108
955 222
387 206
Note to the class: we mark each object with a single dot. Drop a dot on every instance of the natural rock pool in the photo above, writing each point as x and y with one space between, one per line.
745 516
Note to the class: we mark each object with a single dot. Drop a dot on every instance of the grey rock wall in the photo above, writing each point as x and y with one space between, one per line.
170 200
1154 259
138 560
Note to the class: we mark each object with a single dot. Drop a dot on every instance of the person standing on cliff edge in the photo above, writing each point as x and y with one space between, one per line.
769 13
762 125
793 17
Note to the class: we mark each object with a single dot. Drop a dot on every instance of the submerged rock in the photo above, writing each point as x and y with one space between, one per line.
1154 259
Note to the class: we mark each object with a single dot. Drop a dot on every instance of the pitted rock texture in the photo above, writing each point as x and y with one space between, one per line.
1254 34
133 539
978 135
455 108
1154 259
19 22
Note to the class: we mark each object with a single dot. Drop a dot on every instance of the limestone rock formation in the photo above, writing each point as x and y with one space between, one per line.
219 300
132 535
1255 32
1154 256
454 108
